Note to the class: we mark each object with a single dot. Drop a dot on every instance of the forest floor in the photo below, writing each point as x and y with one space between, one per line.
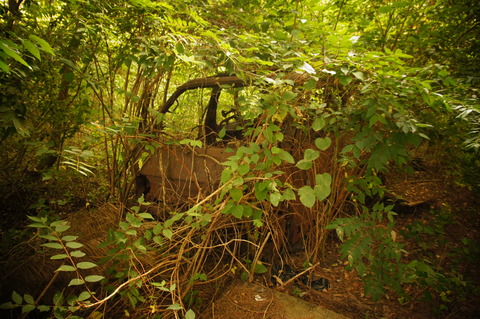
440 221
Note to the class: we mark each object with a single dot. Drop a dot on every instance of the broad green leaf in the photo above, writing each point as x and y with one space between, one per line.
43 44
77 253
307 196
243 169
318 124
32 48
175 306
59 256
49 237
303 164
286 156
288 95
43 308
359 75
158 240
73 245
167 233
86 265
345 80
69 238
53 245
146 215
28 308
323 143
237 211
76 282
94 278
65 268
260 268
236 194
37 225
4 66
322 192
35 219
9 51
275 198
157 229
17 298
288 194
28 299
84 295
324 179
311 155
190 314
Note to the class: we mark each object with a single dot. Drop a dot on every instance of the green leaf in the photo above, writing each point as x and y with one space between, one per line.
94 278
69 238
236 194
190 314
158 240
323 143
175 306
59 256
146 216
17 298
37 225
322 192
86 265
49 237
157 229
61 228
43 44
275 198
65 268
84 295
288 194
43 308
9 51
4 66
311 155
28 308
167 233
28 299
359 75
76 282
286 156
53 245
318 124
303 164
237 211
260 268
345 80
288 95
32 48
324 179
73 245
77 253
307 196
243 169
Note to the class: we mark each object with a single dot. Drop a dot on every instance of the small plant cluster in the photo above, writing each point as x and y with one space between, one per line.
375 250
69 253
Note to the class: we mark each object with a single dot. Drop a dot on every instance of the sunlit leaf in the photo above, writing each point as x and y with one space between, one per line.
86 265
76 282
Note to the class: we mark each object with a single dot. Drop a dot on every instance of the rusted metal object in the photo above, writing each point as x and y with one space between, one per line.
180 172
177 173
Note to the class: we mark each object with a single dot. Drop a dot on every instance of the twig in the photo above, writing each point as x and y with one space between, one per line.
299 274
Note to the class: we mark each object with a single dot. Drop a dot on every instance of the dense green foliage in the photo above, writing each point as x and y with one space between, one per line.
82 82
